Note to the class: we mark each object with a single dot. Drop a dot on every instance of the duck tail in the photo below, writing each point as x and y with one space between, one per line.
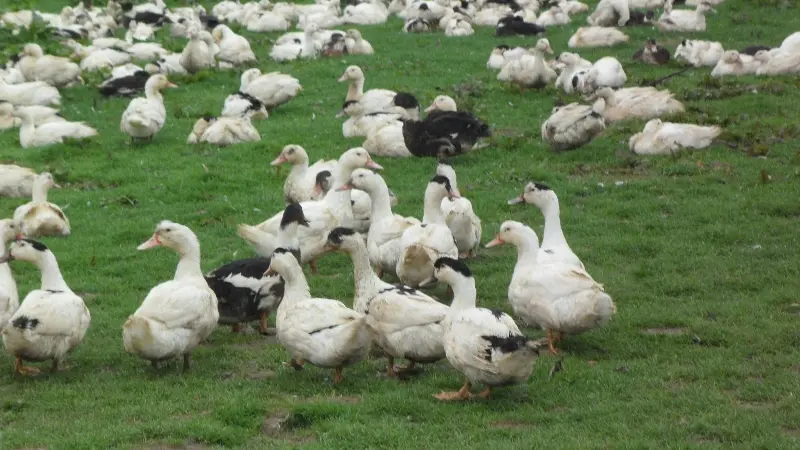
136 334
262 242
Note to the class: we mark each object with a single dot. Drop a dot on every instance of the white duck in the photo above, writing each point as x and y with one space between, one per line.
530 71
321 331
177 314
597 37
485 345
554 248
792 43
405 323
139 31
53 70
558 297
272 89
40 217
459 216
699 53
665 138
33 93
240 104
685 19
16 181
572 63
605 72
552 17
41 115
385 137
223 131
296 48
52 132
574 125
145 116
374 100
384 239
266 21
637 103
360 123
424 243
335 210
300 185
458 28
735 63
233 48
197 55
9 296
370 12
51 321
356 44
609 13
777 63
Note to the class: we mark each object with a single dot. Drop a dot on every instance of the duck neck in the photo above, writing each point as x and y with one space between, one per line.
527 249
433 209
367 282
553 235
308 43
355 90
39 191
296 286
51 275
287 237
381 203
7 280
464 295
340 200
153 94
299 170
189 264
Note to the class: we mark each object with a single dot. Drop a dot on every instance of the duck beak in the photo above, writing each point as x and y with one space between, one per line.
278 161
373 165
317 190
20 236
430 281
340 114
345 187
154 241
430 108
172 85
343 77
516 200
269 271
57 186
494 242
328 248
453 194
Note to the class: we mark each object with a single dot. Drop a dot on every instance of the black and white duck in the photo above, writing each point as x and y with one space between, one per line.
445 132
127 86
244 292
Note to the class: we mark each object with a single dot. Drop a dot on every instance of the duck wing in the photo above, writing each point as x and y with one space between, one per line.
177 304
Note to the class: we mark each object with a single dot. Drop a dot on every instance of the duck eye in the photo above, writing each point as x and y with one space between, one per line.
169 230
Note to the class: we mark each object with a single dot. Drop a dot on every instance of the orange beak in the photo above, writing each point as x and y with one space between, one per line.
373 165
154 241
496 241
345 187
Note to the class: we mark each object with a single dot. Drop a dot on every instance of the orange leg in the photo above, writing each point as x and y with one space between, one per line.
23 370
450 291
486 393
314 268
264 322
462 393
337 375
550 341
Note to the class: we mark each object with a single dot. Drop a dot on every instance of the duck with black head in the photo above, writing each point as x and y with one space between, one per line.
51 321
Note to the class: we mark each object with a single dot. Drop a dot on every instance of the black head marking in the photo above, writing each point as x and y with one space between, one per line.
503 47
293 214
281 250
683 42
445 163
443 180
348 103
209 118
298 41
336 236
322 177
541 187
423 7
454 264
406 100
38 246
496 313
575 82
25 322
464 4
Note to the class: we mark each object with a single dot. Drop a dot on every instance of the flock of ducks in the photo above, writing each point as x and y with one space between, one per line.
343 205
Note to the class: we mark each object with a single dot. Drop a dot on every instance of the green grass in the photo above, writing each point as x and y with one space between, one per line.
708 249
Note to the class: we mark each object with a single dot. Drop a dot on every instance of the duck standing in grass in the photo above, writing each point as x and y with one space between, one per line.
144 117
177 314
244 292
483 344
40 217
51 321
321 331
405 322
560 298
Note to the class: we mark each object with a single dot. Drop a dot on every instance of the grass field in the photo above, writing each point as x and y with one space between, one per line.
699 251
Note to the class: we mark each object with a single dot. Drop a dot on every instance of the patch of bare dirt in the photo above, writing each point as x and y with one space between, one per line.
791 431
282 424
510 425
796 368
662 331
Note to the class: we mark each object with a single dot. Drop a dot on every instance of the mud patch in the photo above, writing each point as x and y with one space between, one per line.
283 424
